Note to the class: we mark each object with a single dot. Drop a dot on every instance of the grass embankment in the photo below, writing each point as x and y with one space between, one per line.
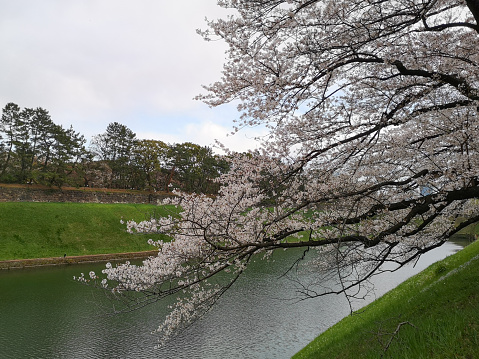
434 314
39 230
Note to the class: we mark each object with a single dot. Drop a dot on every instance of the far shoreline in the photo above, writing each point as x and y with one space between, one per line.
68 260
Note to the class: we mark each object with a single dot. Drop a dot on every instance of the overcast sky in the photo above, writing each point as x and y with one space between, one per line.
139 63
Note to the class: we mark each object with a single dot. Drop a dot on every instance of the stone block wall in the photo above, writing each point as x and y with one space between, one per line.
32 194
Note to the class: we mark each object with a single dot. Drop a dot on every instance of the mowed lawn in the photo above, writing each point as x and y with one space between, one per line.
39 230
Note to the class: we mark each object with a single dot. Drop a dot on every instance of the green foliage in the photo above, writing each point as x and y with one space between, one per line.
115 147
434 314
192 168
34 149
35 230
149 160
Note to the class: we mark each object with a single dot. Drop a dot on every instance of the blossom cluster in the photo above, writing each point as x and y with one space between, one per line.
372 155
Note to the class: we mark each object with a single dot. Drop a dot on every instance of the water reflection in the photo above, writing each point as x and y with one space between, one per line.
45 314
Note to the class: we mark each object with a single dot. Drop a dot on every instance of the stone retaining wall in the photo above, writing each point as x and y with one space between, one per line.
32 194
37 262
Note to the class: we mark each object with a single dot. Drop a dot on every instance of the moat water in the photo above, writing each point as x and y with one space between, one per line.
45 314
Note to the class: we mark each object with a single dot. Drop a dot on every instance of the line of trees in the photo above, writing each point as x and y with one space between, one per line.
33 149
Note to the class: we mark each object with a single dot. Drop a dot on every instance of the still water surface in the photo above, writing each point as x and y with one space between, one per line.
45 314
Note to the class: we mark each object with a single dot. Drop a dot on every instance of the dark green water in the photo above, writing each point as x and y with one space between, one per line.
45 314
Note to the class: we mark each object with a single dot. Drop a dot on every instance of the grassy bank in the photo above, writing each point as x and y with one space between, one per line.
38 230
434 314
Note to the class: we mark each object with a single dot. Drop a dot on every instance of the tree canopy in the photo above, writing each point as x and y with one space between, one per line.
35 150
372 157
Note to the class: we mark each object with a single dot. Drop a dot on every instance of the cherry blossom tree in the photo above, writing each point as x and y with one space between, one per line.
372 157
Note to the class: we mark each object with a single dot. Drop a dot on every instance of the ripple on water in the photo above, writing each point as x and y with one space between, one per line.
45 314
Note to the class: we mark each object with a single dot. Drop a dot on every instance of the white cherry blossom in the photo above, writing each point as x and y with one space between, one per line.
372 157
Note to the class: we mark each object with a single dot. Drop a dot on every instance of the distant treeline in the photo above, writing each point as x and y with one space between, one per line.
33 149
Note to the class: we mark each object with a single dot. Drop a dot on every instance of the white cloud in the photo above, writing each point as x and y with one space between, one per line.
207 133
94 62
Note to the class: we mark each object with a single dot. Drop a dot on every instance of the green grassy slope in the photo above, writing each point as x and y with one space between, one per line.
37 230
434 314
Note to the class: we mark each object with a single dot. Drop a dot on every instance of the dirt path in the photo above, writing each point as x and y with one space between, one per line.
35 262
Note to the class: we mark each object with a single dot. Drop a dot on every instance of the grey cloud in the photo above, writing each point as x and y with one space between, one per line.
92 62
